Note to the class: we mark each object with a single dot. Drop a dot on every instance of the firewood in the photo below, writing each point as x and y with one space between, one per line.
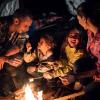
71 96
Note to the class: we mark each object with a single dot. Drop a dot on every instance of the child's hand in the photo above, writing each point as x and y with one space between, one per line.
31 69
47 75
43 69
64 81
29 57
28 47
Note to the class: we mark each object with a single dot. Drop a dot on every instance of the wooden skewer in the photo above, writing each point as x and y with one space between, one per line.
38 78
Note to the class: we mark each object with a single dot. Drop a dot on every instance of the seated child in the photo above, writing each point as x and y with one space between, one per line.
42 60
72 49
43 55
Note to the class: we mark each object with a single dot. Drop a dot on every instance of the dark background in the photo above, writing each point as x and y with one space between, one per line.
45 6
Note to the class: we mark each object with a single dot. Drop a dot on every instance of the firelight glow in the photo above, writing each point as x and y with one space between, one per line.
28 93
30 96
40 95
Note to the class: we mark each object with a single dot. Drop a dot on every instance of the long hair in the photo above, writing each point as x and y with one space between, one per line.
82 39
91 11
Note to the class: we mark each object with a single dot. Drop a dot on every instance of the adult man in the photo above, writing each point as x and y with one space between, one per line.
12 39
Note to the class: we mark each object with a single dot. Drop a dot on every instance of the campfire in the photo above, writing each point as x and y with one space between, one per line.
29 95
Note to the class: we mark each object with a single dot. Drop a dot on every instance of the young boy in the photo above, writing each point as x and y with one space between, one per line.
43 55
43 60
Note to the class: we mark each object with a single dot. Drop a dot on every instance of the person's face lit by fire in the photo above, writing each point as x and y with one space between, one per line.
22 25
73 38
82 21
43 46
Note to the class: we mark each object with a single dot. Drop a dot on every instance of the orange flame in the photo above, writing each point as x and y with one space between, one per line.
30 96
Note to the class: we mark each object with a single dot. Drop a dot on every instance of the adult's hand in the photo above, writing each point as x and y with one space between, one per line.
15 62
2 61
12 51
97 77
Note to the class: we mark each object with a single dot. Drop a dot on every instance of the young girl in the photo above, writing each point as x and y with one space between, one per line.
72 49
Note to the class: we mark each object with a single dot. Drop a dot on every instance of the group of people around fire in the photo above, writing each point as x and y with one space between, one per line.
19 62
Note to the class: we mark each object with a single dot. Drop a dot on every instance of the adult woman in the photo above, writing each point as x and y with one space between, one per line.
88 17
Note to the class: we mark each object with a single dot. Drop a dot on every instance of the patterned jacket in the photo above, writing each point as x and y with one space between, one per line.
43 62
93 47
69 66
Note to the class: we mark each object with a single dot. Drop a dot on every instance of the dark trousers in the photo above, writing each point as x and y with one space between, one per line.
6 85
92 92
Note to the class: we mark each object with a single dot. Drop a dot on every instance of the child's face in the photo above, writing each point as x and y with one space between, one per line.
73 38
23 25
43 46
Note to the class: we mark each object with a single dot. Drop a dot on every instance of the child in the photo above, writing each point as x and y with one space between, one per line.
72 49
43 60
43 56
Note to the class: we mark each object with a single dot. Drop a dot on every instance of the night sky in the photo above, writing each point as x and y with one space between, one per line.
41 6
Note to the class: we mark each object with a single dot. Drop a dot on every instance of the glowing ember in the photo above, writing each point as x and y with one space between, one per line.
30 96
